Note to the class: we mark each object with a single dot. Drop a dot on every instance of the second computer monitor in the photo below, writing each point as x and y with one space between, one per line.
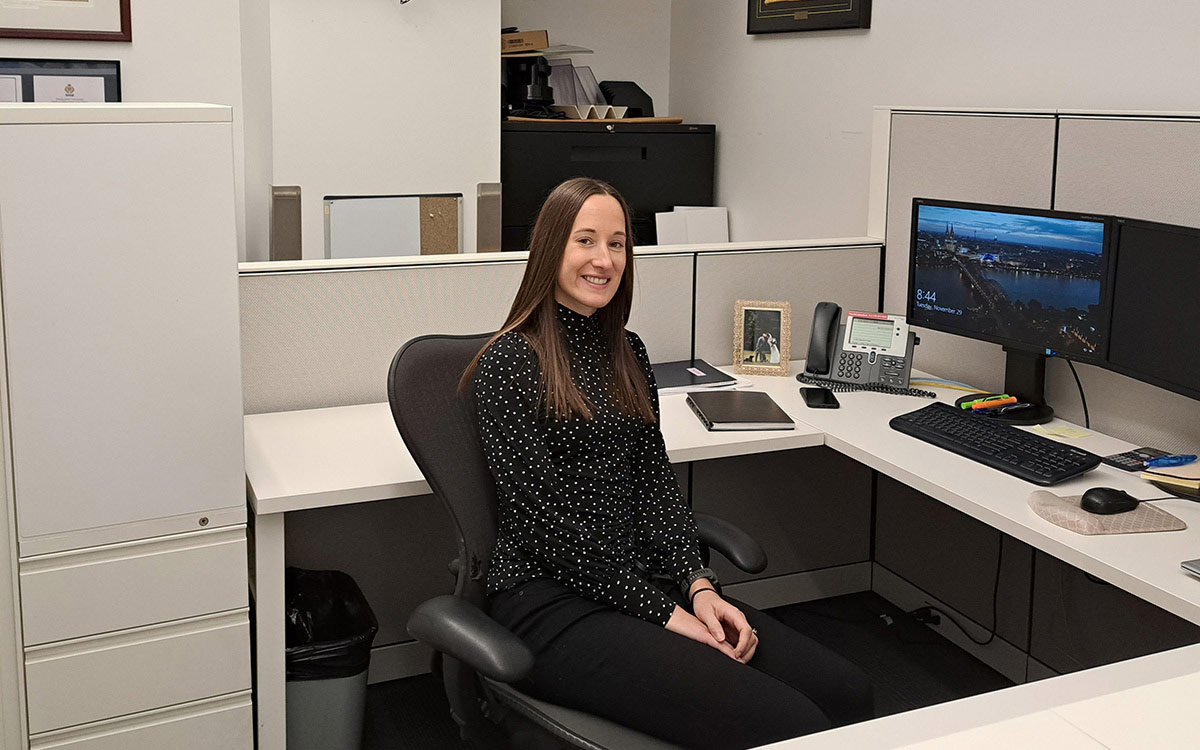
1030 279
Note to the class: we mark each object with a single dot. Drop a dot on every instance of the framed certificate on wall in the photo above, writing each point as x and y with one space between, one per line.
38 80
772 16
87 20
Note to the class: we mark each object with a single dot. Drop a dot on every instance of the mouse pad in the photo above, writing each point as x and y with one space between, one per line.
1065 512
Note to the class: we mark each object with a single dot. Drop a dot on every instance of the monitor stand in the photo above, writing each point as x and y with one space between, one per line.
1025 378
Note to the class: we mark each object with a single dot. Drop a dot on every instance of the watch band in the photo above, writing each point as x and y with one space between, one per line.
696 575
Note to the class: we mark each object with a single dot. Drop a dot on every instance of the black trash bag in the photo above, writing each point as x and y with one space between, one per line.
330 626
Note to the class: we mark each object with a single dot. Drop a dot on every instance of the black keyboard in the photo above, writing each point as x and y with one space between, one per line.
996 444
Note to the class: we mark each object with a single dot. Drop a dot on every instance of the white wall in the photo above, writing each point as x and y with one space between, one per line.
256 118
793 111
631 38
383 98
182 51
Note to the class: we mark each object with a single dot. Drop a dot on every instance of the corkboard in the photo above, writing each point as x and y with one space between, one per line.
439 225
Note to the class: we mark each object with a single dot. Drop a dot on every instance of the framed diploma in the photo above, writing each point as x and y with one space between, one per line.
771 16
87 20
37 80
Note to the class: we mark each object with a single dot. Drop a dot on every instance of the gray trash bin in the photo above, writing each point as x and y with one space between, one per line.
330 627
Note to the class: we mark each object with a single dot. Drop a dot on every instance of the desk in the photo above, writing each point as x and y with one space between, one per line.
322 457
1137 704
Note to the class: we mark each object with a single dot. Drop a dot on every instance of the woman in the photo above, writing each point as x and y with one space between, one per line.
774 349
596 564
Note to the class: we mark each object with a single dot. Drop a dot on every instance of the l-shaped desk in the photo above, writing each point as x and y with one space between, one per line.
342 455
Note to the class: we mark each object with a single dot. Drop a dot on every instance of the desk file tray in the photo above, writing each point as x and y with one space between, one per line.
1065 512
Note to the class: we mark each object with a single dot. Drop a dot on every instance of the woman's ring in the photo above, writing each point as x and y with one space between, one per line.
754 630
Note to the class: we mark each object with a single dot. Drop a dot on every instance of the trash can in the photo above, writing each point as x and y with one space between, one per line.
330 627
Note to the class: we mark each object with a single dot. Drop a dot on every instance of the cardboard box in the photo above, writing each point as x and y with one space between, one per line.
524 41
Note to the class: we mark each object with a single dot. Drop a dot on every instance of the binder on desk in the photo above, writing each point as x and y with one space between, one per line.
689 373
738 410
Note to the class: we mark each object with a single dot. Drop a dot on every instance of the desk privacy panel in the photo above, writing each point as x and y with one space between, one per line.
1140 166
1146 168
802 277
312 339
1008 160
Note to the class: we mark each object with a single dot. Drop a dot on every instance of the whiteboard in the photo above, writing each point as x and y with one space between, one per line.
371 226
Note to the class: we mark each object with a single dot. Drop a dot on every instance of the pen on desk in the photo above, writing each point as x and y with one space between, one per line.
980 400
1177 460
993 403
1002 409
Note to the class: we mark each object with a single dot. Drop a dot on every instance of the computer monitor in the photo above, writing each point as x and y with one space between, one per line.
1035 281
1155 332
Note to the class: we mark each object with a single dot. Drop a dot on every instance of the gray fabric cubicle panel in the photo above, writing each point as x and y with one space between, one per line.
803 277
312 339
315 339
662 305
1004 159
1142 168
1147 169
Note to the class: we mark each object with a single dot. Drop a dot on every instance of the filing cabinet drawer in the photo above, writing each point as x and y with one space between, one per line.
90 679
120 586
226 723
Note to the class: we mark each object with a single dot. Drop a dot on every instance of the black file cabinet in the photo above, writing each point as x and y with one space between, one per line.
655 166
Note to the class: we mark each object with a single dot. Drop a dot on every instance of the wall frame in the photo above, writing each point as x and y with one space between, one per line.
774 16
41 80
82 20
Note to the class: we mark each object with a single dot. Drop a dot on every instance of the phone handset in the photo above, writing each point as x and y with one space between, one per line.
869 348
822 342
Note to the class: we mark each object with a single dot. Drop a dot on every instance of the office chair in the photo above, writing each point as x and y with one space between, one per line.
480 658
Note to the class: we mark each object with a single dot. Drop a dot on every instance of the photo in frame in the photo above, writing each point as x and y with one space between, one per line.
772 16
762 340
83 20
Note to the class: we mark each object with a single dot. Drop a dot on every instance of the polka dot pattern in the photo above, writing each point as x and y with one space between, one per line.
591 503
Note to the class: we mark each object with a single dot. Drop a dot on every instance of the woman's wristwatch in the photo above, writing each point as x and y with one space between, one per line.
696 575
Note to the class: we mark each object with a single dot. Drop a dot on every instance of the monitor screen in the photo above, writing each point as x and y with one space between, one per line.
1030 279
1155 324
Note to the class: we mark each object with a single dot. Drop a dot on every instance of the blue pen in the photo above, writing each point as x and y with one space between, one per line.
1179 460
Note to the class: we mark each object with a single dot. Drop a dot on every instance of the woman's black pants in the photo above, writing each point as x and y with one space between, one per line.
647 678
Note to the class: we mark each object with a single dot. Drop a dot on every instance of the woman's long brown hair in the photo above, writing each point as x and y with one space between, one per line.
534 312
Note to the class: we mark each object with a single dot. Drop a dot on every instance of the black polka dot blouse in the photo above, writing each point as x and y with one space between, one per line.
591 503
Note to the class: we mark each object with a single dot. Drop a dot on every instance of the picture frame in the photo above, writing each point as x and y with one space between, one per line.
775 16
79 20
45 80
762 339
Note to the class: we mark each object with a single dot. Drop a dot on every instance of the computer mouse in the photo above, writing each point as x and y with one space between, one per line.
1105 501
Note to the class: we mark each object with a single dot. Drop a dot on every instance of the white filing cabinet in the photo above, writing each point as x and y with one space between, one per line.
127 623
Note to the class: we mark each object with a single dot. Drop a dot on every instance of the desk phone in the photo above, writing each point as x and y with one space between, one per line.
869 348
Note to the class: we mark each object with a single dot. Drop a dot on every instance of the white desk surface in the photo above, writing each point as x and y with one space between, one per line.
323 457
351 454
315 458
1140 704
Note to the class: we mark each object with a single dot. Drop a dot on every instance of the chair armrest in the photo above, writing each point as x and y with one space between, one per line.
736 545
459 629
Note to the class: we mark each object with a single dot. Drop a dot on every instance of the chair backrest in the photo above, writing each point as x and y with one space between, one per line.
439 428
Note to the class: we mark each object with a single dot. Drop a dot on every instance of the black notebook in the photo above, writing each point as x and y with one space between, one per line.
739 410
689 373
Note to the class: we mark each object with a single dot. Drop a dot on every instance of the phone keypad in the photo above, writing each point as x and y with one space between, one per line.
890 370
849 366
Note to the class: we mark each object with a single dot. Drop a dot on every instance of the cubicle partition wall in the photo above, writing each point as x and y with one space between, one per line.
317 335
1144 166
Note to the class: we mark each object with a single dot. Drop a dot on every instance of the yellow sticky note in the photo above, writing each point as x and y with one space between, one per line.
1061 430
